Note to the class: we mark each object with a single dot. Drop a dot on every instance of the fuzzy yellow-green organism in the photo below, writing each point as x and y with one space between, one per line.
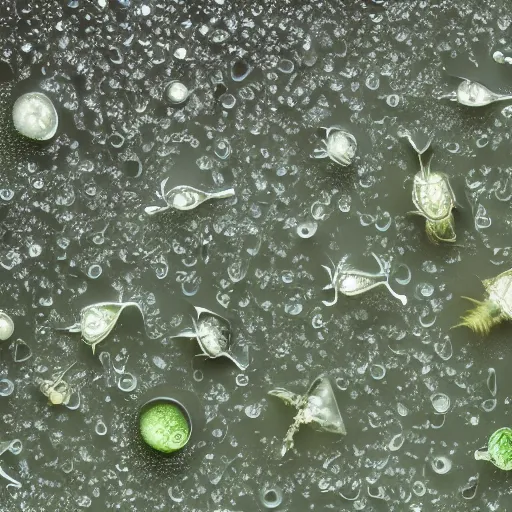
494 309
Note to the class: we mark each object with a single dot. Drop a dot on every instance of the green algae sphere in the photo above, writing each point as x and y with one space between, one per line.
164 427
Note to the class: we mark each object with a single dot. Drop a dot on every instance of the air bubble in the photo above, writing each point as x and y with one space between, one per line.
393 100
227 100
198 375
377 371
271 497
127 382
101 428
286 66
242 380
94 271
489 405
372 81
307 229
419 488
441 465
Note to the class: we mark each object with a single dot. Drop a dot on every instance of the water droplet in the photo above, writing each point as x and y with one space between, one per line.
377 371
94 271
489 405
491 381
372 81
101 428
242 380
393 100
271 497
219 36
307 229
402 409
227 100
440 402
6 387
419 488
127 382
286 66
441 465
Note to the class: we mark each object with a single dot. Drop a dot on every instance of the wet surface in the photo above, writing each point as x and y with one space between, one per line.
417 399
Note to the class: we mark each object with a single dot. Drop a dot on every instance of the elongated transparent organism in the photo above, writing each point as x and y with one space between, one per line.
474 94
349 281
318 407
496 308
185 198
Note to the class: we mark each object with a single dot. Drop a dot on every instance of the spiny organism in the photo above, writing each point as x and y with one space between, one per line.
496 308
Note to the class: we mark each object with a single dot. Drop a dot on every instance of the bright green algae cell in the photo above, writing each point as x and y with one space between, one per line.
500 448
164 427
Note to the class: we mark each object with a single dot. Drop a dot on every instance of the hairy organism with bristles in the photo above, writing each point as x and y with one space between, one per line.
496 308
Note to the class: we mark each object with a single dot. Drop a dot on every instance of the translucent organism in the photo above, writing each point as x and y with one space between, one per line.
165 427
15 448
34 116
474 94
186 198
6 326
496 308
499 449
213 333
98 320
318 407
176 92
56 389
340 146
434 199
350 281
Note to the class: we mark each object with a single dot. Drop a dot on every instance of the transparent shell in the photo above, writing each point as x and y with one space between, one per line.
433 196
500 291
